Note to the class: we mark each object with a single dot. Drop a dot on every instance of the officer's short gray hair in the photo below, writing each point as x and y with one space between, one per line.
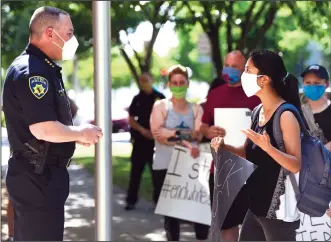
44 17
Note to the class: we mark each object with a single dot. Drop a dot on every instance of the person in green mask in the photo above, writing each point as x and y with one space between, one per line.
171 118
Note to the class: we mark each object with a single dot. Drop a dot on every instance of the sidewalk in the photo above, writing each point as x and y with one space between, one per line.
139 224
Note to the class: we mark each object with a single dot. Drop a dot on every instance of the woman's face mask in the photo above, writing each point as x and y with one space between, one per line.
179 92
178 86
249 83
314 92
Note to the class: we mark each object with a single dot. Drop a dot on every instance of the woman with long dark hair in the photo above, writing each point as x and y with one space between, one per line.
272 214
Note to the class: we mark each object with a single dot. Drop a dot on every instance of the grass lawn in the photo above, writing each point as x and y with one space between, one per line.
121 167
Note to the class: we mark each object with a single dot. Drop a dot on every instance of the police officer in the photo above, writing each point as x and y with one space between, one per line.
40 131
141 136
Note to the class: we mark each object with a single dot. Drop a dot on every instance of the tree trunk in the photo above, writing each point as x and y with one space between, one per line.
131 66
229 27
149 50
270 17
216 51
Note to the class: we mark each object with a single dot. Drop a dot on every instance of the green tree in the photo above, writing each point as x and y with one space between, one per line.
125 17
245 25
187 53
157 13
16 17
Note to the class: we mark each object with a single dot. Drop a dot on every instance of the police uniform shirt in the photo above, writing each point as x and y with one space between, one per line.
34 93
141 108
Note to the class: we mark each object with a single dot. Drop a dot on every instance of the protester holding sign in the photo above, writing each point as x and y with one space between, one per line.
175 118
230 95
272 214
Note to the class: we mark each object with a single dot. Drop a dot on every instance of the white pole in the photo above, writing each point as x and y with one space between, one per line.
76 86
102 97
1 85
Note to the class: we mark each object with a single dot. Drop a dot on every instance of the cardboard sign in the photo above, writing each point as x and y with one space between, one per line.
231 173
185 191
314 229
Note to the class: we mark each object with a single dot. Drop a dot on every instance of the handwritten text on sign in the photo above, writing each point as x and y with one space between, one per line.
185 191
314 229
230 174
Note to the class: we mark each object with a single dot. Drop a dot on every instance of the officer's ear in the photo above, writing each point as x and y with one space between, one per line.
49 32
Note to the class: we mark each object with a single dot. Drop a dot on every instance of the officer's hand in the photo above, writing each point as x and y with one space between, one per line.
214 131
84 144
90 134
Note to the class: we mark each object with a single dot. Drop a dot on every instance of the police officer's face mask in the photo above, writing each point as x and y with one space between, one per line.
69 48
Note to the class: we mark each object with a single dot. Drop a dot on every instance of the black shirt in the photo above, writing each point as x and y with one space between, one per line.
141 109
323 119
262 183
33 93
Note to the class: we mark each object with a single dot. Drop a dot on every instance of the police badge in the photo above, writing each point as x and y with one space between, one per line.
38 86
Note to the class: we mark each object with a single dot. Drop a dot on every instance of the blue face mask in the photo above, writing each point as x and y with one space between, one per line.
314 92
231 75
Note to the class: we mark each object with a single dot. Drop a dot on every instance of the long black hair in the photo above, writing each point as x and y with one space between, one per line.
285 84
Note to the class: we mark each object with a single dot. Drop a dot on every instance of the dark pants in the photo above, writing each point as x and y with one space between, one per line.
211 188
172 225
263 229
38 201
141 156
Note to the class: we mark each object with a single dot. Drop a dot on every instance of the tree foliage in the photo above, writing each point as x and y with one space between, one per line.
283 26
244 25
157 13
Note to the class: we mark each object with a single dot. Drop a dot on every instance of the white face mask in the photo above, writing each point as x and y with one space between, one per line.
249 83
69 47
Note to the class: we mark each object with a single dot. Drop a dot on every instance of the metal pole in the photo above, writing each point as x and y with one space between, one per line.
0 106
102 92
75 78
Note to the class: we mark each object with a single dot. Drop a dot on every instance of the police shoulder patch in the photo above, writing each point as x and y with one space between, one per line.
38 86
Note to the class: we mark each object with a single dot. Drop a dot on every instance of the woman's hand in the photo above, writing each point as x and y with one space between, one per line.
263 141
217 142
195 152
328 212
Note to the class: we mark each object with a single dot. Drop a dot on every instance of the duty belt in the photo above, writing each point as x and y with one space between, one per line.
51 159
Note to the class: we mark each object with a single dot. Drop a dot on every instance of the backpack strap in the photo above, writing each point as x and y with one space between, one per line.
309 116
278 135
277 132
